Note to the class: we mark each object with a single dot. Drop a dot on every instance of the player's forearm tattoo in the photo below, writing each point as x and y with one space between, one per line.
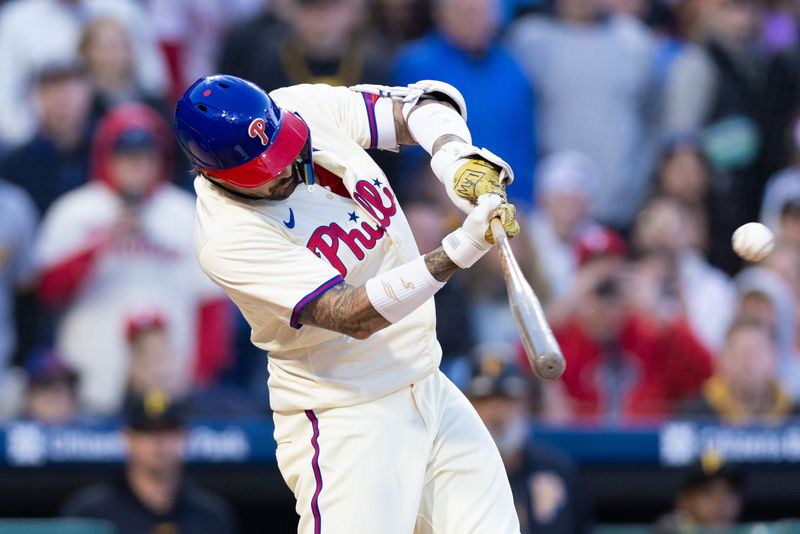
344 309
440 265
348 310
443 140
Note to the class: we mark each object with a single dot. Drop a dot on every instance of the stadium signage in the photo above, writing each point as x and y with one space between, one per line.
682 443
33 445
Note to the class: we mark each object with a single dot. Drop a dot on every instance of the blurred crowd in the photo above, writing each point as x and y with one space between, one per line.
641 132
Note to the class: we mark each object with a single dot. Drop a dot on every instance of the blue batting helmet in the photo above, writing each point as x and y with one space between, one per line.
232 130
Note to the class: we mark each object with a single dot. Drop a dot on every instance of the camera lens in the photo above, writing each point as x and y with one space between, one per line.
608 287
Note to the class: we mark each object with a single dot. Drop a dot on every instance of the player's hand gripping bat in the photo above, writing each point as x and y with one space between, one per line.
541 346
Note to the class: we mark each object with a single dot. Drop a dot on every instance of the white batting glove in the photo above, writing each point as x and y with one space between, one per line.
468 244
450 165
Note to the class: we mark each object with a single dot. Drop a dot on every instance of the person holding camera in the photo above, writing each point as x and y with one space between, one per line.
631 352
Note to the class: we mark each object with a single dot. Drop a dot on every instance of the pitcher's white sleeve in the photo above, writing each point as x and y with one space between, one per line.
265 274
366 118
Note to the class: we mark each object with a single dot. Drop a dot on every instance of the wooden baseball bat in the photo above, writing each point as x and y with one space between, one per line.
540 345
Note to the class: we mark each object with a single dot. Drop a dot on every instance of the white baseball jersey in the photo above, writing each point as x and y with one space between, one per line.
274 257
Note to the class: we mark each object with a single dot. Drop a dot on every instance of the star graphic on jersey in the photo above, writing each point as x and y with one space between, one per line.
353 216
377 182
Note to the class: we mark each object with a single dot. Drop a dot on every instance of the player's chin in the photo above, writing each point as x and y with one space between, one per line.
284 191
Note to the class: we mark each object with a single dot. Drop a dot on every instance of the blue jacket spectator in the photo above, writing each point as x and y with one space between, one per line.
464 51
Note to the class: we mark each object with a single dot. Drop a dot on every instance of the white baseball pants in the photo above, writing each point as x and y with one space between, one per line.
416 461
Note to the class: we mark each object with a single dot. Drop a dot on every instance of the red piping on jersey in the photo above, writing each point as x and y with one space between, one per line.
317 473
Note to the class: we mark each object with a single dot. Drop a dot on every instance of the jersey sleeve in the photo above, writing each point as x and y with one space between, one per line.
266 275
366 118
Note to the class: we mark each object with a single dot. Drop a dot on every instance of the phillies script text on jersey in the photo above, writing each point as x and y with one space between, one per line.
325 239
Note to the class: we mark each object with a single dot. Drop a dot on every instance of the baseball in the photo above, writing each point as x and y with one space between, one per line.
753 241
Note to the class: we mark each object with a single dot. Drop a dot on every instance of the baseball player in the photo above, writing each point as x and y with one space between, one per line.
303 231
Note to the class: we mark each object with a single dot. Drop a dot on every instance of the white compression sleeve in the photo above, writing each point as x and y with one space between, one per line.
399 291
429 122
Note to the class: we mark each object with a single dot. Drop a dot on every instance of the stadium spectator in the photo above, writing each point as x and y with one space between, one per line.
757 305
52 393
17 227
594 83
106 50
547 489
252 37
782 87
566 182
710 497
744 388
400 21
464 50
670 234
154 496
37 33
321 43
56 160
784 186
684 173
768 294
177 24
152 365
735 129
689 82
123 243
789 225
683 170
628 359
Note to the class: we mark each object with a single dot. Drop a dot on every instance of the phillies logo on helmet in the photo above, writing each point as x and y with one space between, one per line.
256 129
